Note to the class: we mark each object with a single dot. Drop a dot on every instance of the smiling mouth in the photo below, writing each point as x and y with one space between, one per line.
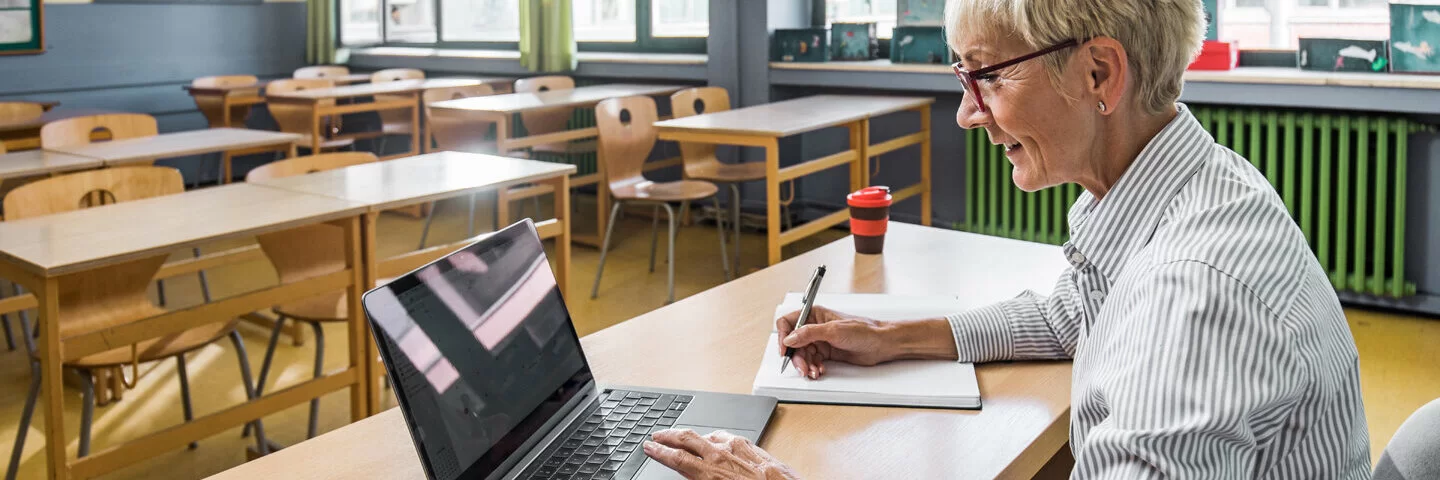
1011 147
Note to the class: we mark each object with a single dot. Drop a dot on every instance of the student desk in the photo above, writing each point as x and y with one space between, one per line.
421 179
713 341
25 134
120 246
764 125
323 102
228 141
41 162
230 96
501 110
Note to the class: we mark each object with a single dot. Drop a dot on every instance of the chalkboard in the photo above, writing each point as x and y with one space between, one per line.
22 27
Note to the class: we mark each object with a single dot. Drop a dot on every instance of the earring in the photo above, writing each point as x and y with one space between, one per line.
1102 107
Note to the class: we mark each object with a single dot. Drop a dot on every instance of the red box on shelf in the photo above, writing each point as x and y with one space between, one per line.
1217 56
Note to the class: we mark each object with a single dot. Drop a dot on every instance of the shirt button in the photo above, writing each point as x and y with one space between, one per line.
1096 296
1076 258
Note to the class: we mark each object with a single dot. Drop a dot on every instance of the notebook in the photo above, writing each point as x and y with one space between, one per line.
907 383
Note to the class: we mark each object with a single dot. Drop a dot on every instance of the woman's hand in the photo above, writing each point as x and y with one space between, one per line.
831 335
717 456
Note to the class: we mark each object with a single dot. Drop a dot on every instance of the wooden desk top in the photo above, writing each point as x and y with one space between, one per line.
371 89
580 96
791 117
176 144
94 237
419 179
40 162
34 123
713 341
225 89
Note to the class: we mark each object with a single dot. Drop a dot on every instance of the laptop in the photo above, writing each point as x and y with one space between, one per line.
492 381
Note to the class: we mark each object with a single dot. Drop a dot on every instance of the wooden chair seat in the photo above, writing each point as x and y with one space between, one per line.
715 171
328 307
157 348
684 190
328 143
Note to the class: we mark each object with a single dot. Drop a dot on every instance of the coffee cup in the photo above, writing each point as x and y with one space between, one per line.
869 218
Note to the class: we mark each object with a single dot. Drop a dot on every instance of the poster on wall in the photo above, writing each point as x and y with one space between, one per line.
21 29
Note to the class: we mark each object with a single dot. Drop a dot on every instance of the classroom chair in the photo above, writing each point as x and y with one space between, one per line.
298 119
84 130
550 120
700 160
627 136
321 71
212 106
1414 451
301 253
395 122
457 133
110 296
20 110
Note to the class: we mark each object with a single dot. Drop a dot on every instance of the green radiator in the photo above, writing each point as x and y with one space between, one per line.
1342 176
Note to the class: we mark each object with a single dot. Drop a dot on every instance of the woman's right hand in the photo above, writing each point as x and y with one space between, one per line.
830 335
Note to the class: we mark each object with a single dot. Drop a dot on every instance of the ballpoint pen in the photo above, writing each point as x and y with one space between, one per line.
809 301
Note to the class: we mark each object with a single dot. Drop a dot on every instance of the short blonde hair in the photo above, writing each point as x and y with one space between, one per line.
1161 37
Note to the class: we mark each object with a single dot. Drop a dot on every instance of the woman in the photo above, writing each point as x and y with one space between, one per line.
1207 341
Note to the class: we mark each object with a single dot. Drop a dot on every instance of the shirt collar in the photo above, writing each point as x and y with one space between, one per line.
1109 231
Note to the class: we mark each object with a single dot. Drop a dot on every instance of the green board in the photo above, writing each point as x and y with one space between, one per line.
21 28
1415 37
921 12
1343 55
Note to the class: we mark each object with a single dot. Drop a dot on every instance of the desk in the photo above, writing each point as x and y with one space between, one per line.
421 179
402 94
88 256
713 341
229 141
41 162
501 110
764 125
230 96
25 134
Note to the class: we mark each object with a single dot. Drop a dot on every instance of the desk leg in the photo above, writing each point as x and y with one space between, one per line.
415 126
51 377
355 259
926 188
772 200
293 151
315 128
562 242
859 142
225 110
374 371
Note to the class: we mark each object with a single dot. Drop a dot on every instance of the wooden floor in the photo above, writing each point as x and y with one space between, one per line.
1398 354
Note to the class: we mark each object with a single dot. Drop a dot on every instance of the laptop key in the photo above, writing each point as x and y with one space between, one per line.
584 451
570 444
589 469
654 414
685 398
605 450
648 422
629 446
629 424
613 441
635 437
564 452
634 416
612 465
666 422
592 442
632 395
568 470
649 395
610 424
670 414
555 461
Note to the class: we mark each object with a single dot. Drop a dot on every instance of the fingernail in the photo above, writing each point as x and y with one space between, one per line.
648 446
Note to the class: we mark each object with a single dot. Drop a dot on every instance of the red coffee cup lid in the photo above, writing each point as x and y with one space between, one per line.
870 197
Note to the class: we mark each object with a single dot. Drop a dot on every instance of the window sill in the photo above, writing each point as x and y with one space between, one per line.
657 66
581 57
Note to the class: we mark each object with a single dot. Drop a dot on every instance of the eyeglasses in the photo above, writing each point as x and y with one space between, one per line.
967 78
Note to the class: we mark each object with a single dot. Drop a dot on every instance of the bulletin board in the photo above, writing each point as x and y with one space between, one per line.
22 27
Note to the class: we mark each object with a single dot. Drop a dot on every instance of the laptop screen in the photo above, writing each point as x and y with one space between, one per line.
483 350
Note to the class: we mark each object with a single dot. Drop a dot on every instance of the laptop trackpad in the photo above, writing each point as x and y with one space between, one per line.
653 470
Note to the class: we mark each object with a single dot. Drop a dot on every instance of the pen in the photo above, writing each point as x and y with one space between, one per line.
804 310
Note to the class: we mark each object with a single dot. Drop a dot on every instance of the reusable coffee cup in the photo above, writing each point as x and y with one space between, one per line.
869 217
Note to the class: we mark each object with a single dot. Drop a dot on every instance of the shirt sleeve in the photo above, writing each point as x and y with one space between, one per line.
1027 327
1198 370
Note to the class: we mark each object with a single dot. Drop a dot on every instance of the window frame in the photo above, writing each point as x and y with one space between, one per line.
645 41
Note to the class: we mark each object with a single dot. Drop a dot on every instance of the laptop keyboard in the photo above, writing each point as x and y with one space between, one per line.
607 443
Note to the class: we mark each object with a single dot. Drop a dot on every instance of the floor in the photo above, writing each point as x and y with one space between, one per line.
1397 353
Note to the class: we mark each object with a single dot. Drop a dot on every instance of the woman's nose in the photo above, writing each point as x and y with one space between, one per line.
969 115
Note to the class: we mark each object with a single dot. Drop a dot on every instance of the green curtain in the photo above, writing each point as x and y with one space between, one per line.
320 33
547 36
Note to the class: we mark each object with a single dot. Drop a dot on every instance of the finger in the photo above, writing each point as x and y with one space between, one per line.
806 335
812 354
801 365
681 461
686 439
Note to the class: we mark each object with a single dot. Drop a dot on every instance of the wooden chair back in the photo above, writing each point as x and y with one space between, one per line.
695 101
10 111
293 118
96 299
548 120
312 250
457 132
211 105
79 130
627 135
397 74
396 120
321 71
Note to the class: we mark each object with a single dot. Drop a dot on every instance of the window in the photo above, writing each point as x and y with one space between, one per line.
880 12
1278 24
642 25
604 20
680 18
410 21
480 21
359 22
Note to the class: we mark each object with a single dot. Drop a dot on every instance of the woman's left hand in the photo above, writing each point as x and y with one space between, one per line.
717 456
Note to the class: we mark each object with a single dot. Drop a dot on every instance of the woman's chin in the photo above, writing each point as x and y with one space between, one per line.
1026 182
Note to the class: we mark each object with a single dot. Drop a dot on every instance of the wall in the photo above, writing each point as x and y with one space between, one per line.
135 57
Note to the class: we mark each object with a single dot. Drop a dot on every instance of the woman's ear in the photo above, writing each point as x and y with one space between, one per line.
1108 68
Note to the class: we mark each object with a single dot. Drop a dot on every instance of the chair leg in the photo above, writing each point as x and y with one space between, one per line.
536 202
265 365
9 337
87 414
735 224
184 375
469 219
24 426
605 247
720 231
204 283
262 444
319 371
425 232
670 282
654 234
160 291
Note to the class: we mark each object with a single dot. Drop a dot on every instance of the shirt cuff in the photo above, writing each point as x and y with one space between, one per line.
982 335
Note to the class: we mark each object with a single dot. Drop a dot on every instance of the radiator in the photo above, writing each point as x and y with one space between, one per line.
1341 176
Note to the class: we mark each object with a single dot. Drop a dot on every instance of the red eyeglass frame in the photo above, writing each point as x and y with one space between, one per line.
967 78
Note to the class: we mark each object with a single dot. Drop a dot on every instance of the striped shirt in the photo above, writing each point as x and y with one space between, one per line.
1207 341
